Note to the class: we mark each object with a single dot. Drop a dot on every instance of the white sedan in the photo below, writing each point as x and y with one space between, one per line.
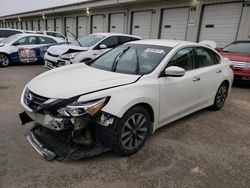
85 49
116 101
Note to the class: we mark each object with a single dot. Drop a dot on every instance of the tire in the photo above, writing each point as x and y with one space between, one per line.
220 96
4 60
132 131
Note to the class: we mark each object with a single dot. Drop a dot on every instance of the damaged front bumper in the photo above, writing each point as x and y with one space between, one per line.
62 144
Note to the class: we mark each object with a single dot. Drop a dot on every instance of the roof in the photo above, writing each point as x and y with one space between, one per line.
115 34
162 42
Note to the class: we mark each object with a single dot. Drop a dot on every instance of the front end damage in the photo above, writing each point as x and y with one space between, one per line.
68 137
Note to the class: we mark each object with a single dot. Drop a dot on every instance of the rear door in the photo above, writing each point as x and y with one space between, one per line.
210 73
178 95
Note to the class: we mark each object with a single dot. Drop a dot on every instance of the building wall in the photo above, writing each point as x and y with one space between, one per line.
127 7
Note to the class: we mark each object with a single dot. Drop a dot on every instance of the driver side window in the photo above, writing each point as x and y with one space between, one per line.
184 58
111 42
27 41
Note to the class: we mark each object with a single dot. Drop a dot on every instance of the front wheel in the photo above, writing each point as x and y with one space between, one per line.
4 60
220 97
132 131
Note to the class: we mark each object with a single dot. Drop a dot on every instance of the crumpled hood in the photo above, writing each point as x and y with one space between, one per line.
74 80
64 48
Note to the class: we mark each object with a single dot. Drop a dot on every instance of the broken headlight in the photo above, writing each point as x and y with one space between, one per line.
70 55
77 109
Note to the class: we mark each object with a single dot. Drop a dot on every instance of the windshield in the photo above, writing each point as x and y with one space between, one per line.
88 41
238 47
10 39
135 59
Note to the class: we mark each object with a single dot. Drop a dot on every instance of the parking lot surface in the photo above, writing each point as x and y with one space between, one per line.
205 149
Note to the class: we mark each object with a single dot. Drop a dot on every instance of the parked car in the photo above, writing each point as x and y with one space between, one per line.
25 48
85 49
53 34
238 53
117 100
5 33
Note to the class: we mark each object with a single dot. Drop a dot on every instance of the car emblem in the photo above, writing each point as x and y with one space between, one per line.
29 98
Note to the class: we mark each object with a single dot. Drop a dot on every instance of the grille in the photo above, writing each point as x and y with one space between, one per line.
239 65
32 100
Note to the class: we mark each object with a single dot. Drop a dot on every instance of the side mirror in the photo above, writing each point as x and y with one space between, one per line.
174 71
103 46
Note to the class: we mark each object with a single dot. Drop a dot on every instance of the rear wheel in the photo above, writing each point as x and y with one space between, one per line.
132 131
4 60
221 96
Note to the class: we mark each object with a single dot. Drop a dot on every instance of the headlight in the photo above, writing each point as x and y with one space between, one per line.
70 55
77 109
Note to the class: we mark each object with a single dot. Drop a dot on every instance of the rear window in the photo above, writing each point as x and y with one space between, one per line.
238 47
8 33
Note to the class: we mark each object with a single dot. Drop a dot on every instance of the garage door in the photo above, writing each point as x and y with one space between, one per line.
58 23
97 24
174 23
24 25
42 25
117 22
142 22
35 25
29 25
220 23
70 26
82 26
50 24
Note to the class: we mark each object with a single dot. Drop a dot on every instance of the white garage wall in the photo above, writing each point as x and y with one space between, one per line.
142 23
220 23
174 23
117 23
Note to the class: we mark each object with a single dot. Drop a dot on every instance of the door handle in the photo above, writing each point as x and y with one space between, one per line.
196 79
219 71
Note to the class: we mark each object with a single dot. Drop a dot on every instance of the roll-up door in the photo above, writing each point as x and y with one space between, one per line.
117 22
70 26
220 23
82 26
142 24
174 23
59 27
42 25
50 24
29 25
97 23
35 25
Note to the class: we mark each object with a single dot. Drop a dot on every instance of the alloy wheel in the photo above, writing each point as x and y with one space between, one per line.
134 131
4 60
221 95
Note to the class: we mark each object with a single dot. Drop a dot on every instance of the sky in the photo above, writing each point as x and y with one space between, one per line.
9 7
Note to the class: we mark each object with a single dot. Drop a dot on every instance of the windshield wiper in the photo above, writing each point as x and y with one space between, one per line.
137 63
117 58
74 37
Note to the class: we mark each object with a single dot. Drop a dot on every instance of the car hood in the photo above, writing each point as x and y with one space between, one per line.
77 79
236 57
65 48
